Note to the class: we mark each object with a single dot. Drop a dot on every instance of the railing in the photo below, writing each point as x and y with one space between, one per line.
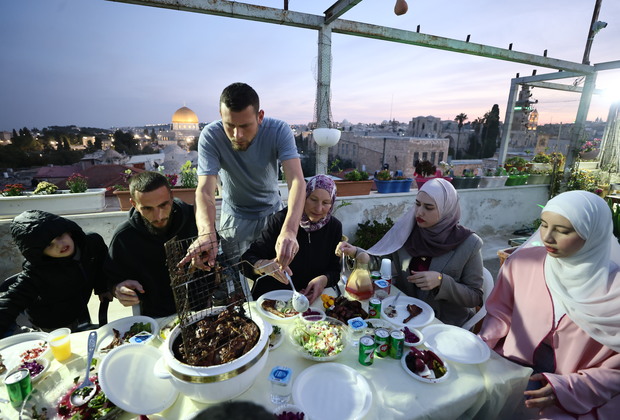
488 211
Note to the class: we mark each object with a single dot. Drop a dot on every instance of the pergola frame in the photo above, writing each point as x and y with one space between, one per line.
330 23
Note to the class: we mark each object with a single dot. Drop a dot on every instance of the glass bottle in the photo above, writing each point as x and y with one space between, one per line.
359 284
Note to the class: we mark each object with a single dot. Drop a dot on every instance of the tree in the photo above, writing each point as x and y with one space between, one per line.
490 132
460 119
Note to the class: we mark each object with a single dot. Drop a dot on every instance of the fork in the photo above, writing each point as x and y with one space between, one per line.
391 309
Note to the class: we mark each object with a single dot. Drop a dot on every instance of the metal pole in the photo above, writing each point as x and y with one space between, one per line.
591 33
323 93
510 110
580 121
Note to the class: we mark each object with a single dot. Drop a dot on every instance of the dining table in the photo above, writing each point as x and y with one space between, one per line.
472 390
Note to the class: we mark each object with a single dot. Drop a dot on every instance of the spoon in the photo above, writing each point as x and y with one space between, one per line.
300 302
87 389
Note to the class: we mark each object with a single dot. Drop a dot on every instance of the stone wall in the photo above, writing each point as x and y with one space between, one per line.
488 211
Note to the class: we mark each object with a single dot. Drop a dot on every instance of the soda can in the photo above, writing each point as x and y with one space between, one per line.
397 344
375 275
18 386
382 344
367 350
374 308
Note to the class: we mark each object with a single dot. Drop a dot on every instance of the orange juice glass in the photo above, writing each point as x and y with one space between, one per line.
60 343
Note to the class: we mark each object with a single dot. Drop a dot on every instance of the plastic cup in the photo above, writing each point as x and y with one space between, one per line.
60 343
386 268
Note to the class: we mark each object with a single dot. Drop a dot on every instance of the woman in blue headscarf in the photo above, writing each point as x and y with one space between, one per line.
315 265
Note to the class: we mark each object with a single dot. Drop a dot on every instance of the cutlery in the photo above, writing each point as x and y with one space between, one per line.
390 311
87 389
300 302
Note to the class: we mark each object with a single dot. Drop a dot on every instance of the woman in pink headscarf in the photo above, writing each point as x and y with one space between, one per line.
556 308
315 266
434 258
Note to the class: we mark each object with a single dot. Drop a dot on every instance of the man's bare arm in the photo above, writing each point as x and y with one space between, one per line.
205 247
286 244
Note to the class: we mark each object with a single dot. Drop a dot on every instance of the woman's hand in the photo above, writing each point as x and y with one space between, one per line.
346 249
272 268
542 397
425 280
315 288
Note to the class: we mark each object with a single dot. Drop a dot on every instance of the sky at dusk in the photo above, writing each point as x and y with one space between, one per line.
105 64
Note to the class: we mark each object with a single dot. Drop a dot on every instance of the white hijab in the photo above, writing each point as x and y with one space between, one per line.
582 282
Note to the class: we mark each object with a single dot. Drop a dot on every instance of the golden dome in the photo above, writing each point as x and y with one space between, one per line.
184 115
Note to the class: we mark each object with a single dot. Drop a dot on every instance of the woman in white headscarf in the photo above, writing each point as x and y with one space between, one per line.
556 308
434 258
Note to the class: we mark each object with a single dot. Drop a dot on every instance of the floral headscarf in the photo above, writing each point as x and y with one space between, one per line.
322 182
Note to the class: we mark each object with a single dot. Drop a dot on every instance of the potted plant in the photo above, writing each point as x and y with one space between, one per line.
77 199
494 178
467 181
515 162
425 170
186 190
121 191
516 177
539 175
355 183
383 182
589 149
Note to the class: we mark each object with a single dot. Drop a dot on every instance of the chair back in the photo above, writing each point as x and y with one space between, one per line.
487 286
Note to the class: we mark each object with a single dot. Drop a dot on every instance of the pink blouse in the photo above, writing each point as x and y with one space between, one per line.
520 316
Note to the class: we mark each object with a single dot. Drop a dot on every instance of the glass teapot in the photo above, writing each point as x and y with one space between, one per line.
359 285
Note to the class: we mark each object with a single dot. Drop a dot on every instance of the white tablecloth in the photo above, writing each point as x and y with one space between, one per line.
472 391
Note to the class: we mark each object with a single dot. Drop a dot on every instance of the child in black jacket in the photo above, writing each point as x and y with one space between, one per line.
62 267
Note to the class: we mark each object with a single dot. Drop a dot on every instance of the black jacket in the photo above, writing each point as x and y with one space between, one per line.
138 254
54 291
316 255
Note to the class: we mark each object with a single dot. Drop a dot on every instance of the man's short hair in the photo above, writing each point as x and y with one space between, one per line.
238 96
146 182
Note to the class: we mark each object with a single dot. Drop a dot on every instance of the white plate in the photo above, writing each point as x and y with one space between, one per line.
456 344
56 384
106 335
12 347
421 320
403 363
127 378
332 391
166 325
279 337
283 295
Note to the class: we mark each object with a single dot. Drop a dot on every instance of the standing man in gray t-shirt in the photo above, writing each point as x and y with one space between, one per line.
244 148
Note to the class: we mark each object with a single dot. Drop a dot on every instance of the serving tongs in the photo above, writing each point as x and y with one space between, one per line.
390 310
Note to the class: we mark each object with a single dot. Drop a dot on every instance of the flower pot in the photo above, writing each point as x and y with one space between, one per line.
185 194
61 202
538 179
350 188
123 199
385 187
421 180
591 155
492 181
465 182
404 185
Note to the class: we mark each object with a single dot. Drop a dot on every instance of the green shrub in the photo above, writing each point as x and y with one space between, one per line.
369 233
356 175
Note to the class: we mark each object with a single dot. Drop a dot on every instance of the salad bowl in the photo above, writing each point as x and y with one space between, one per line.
320 341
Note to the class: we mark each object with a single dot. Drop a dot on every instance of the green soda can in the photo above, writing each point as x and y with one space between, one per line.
397 344
382 345
367 350
18 386
374 308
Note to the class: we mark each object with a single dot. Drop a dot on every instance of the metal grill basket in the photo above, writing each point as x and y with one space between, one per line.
206 295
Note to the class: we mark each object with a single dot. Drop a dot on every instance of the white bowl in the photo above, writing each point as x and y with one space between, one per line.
299 333
41 361
207 384
420 338
312 315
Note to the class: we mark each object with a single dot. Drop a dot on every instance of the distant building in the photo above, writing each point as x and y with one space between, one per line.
185 128
429 127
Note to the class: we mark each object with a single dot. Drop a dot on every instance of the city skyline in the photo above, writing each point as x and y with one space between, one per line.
95 63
